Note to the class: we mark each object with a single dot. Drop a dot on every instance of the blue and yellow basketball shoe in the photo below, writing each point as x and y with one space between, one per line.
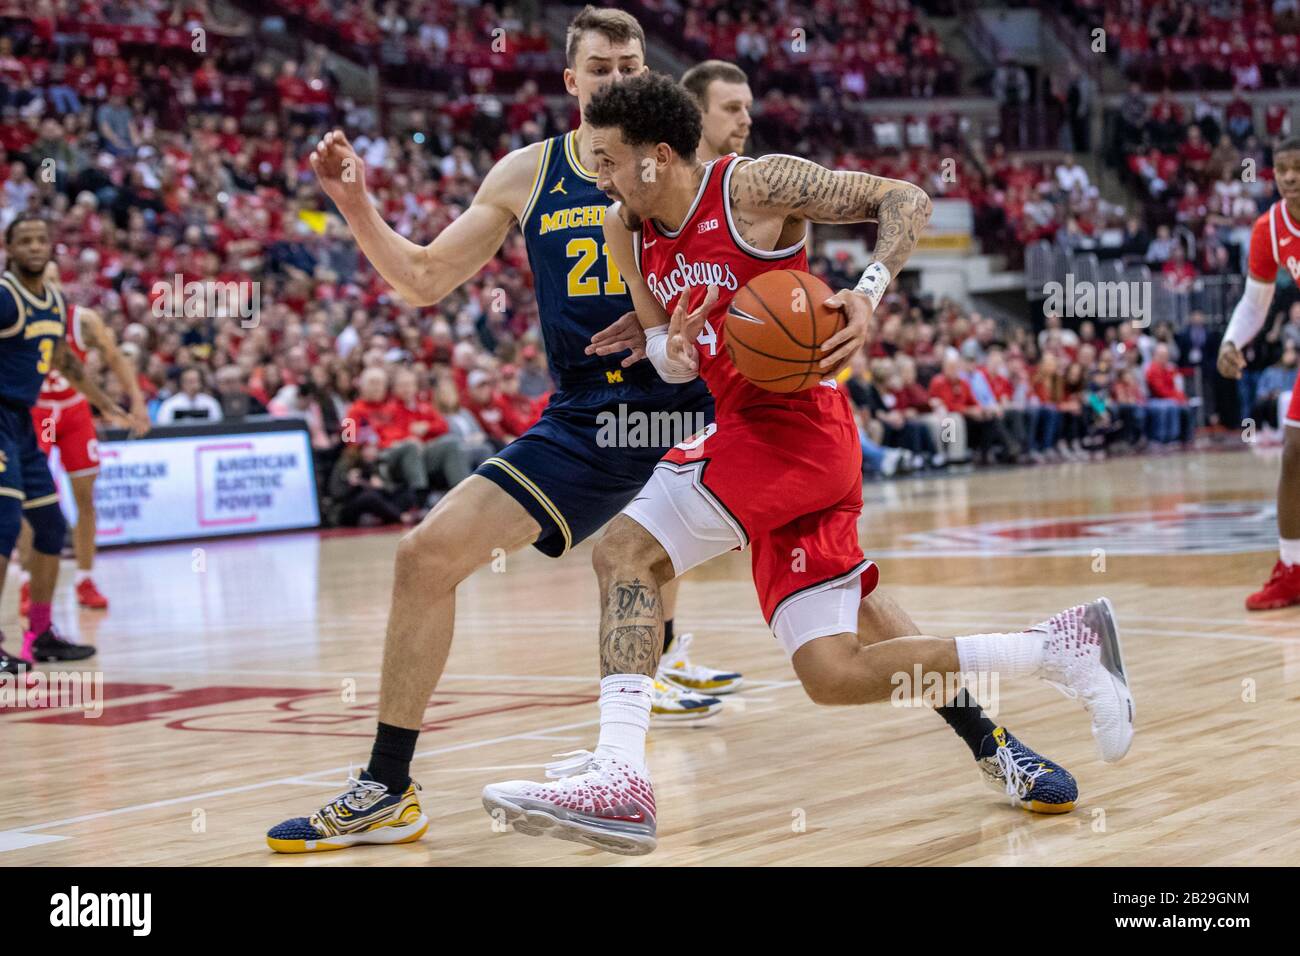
676 668
365 813
670 702
1028 778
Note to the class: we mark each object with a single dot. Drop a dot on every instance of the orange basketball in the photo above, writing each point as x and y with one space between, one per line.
775 329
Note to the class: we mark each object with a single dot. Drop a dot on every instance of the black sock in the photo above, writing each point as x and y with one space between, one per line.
668 634
965 716
390 758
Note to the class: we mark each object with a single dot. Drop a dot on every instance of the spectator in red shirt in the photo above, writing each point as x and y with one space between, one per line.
376 418
1168 415
1178 273
443 454
518 412
949 393
482 401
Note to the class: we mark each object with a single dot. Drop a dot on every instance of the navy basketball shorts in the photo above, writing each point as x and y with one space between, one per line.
24 472
591 452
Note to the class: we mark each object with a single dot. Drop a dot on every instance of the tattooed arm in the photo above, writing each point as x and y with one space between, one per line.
781 185
71 368
770 194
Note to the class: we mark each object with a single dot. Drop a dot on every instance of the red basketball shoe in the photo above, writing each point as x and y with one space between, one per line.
1282 589
88 596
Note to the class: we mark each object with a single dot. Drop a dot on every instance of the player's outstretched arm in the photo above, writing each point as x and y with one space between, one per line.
71 368
790 187
422 275
97 335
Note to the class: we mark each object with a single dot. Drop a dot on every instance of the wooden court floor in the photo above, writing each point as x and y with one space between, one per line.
240 683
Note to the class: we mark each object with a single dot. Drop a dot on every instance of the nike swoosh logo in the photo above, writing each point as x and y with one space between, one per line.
740 314
1283 242
647 245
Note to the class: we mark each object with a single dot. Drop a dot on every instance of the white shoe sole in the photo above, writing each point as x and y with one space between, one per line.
1112 659
539 819
673 716
705 691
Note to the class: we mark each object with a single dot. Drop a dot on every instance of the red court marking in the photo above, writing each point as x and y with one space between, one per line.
179 700
111 692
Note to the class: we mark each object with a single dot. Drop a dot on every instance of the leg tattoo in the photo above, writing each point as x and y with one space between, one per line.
631 628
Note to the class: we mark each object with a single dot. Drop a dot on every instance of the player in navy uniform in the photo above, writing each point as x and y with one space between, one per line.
559 482
32 342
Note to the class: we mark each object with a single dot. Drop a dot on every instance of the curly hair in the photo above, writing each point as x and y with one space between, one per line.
649 109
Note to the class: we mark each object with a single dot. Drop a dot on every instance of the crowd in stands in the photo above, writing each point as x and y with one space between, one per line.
430 44
1215 44
871 48
166 164
944 385
1205 173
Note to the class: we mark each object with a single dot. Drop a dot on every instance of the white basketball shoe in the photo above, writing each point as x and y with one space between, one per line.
1082 659
598 801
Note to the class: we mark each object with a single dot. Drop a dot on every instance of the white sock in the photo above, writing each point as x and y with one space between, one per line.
1010 655
1289 549
82 575
625 717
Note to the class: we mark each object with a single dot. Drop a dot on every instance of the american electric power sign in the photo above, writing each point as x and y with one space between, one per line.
160 489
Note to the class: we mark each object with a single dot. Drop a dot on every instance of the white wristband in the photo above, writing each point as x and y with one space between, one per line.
656 350
874 282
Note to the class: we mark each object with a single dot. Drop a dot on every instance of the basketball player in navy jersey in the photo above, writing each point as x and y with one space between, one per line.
33 342
554 486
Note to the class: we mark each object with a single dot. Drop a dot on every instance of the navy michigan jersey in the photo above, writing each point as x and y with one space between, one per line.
579 290
31 327
577 467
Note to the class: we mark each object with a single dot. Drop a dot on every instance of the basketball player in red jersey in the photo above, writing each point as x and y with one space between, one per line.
1006 764
62 418
1274 242
780 474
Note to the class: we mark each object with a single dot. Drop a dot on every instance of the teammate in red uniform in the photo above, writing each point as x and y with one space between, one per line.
1274 242
780 474
62 418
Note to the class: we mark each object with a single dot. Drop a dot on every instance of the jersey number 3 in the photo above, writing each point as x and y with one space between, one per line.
47 353
585 251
